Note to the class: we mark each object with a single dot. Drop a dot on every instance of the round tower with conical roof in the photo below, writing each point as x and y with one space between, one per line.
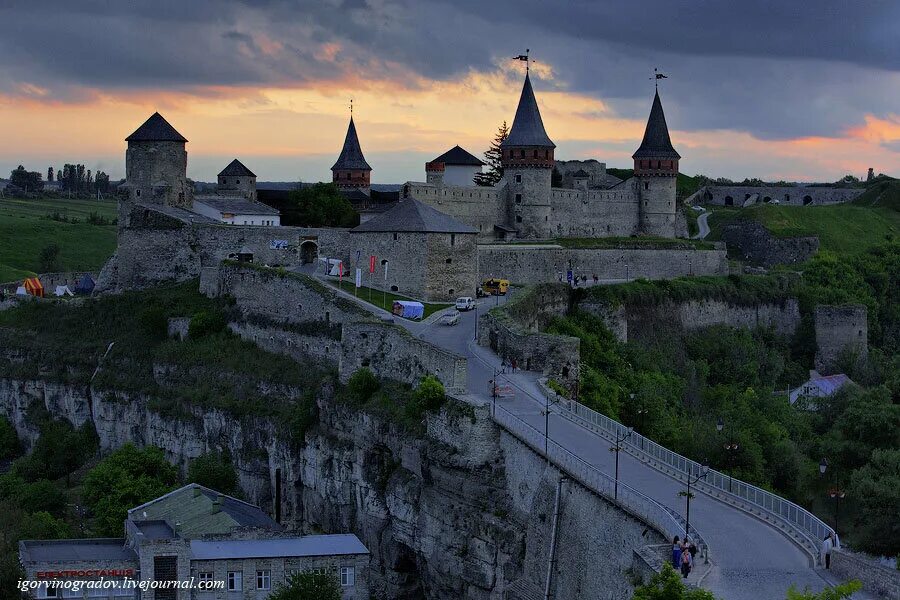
351 171
527 159
656 172
156 165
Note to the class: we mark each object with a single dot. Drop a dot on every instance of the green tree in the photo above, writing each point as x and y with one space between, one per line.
9 440
309 586
876 489
493 157
30 181
48 260
216 471
126 478
844 590
428 396
206 322
318 205
59 451
669 585
362 385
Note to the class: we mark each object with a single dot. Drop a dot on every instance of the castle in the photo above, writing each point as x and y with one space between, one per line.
525 204
432 240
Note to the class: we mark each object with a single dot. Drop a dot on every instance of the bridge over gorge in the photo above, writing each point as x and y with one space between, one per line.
759 544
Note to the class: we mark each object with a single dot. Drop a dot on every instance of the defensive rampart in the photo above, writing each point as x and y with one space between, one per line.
741 195
525 264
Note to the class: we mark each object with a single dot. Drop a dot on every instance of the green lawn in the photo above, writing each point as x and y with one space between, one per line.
25 229
842 228
382 299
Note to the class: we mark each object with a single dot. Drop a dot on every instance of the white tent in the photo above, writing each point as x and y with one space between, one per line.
21 291
63 290
333 266
408 309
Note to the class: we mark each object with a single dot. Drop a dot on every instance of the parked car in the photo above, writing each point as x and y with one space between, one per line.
451 318
698 208
465 303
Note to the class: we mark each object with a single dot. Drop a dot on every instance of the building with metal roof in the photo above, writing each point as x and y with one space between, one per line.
156 129
236 210
193 533
456 166
411 215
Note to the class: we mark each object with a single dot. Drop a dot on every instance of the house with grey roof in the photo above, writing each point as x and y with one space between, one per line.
192 533
235 200
456 166
237 180
419 252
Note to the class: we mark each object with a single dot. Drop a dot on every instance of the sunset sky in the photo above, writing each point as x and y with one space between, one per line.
779 90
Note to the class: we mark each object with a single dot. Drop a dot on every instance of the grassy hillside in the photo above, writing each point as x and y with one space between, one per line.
842 228
27 226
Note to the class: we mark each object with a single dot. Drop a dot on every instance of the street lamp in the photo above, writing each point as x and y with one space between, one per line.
836 492
704 471
616 449
731 447
546 412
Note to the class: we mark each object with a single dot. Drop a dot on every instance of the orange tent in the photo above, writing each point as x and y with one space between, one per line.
33 286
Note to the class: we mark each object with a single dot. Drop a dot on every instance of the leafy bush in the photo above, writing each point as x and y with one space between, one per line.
154 322
428 396
49 258
205 323
59 451
668 585
361 386
309 585
844 590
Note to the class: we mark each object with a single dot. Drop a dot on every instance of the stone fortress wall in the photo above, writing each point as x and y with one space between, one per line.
296 315
842 334
758 246
527 264
738 195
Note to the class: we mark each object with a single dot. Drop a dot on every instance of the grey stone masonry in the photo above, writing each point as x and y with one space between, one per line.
759 247
878 579
841 337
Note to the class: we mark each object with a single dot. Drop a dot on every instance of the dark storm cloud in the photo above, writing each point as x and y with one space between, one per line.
775 69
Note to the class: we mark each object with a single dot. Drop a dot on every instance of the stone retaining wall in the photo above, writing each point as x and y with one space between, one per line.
758 246
535 263
392 352
876 579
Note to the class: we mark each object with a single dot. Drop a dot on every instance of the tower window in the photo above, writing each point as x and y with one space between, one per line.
518 218
452 239
349 176
237 181
522 153
396 237
518 179
546 154
646 185
449 261
518 198
535 153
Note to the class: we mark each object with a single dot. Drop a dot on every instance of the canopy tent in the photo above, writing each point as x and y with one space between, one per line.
62 290
33 286
85 284
408 309
332 266
21 291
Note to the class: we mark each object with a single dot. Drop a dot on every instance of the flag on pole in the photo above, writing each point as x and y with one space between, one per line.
385 270
341 270
357 256
372 264
358 277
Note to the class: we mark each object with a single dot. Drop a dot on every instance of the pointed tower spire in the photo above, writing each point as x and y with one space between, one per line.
351 171
528 127
656 155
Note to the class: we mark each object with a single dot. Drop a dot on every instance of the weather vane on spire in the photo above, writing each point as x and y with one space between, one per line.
657 76
525 58
351 107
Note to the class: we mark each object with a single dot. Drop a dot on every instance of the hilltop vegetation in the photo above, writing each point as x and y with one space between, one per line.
84 232
684 381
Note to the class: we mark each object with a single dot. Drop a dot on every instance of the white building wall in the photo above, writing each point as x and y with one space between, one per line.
235 219
460 174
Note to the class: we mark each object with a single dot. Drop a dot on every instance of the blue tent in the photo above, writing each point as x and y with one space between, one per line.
85 285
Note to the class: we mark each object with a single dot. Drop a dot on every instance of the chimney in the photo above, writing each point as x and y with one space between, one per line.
196 491
217 504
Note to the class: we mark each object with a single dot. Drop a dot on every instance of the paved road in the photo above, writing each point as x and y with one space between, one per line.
703 225
752 561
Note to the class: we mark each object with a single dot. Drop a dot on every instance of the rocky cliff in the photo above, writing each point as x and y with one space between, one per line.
461 510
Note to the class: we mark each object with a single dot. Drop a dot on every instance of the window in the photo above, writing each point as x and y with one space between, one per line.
646 185
138 192
522 153
235 581
535 153
396 237
237 181
48 592
518 218
348 576
263 580
452 239
449 261
518 179
205 576
518 198
546 154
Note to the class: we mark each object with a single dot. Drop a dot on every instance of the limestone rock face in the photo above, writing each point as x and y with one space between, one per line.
459 511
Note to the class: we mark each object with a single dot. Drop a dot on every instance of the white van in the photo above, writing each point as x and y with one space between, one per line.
465 303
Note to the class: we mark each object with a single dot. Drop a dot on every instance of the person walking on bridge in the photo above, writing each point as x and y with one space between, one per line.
676 552
827 546
687 561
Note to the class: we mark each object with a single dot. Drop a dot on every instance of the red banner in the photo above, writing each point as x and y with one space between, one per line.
341 270
372 264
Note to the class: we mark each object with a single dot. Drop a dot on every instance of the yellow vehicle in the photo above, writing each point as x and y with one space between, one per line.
495 287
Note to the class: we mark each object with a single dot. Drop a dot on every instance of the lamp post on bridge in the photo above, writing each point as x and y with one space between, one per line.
546 412
616 449
835 491
731 447
704 471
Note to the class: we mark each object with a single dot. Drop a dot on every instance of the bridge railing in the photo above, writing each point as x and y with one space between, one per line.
630 500
802 525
